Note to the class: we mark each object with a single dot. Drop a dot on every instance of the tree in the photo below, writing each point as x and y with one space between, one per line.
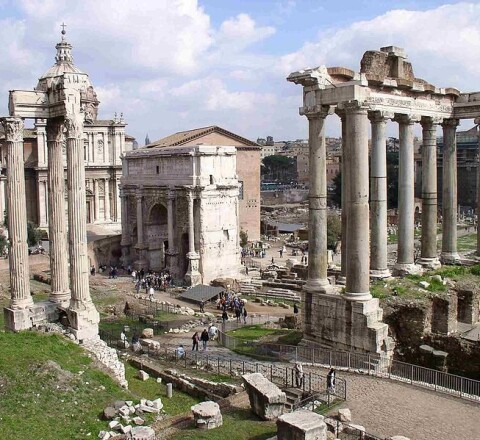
33 234
334 230
279 168
243 238
3 244
337 193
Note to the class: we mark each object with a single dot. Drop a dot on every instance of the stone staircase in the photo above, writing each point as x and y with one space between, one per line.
281 293
294 396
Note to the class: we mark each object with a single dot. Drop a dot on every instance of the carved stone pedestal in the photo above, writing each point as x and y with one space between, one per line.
28 317
17 319
193 276
141 262
84 322
402 269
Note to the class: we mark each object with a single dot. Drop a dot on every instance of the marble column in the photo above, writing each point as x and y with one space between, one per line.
97 200
344 194
317 280
428 256
192 276
17 223
477 122
378 197
406 197
108 216
82 313
358 269
57 228
449 253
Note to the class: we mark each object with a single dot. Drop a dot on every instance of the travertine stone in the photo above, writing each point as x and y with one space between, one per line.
317 223
207 415
301 425
56 214
17 220
266 399
378 196
477 121
406 201
83 315
358 277
193 276
345 197
429 257
449 253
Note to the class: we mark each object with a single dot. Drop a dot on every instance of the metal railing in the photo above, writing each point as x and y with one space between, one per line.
371 364
280 374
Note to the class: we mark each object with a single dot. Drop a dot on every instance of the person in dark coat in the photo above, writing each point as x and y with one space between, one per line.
331 381
195 339
204 338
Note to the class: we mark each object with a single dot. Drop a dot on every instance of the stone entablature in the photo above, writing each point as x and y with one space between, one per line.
181 207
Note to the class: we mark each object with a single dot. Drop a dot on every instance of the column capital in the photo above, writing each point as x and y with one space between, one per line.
55 130
378 116
407 119
353 106
190 196
450 122
171 194
13 129
430 121
318 112
74 125
139 196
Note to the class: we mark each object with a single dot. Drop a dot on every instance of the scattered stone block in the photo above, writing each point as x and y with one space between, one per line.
138 421
301 425
118 404
424 284
124 411
113 424
109 412
157 404
147 333
142 375
207 415
399 437
266 399
344 415
159 380
141 433
126 429
354 429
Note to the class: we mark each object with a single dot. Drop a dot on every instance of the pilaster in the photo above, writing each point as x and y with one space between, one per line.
193 276
342 279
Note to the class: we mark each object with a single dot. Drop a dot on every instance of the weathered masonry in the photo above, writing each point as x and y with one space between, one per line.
385 88
66 101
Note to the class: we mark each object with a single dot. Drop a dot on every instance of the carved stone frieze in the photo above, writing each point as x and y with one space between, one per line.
13 129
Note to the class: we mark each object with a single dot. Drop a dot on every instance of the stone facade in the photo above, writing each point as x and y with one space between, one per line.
248 168
103 142
181 211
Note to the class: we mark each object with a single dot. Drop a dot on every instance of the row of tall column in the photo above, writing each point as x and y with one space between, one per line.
72 291
364 192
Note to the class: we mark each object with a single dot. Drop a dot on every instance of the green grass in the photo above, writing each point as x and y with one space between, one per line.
239 424
293 337
467 243
256 332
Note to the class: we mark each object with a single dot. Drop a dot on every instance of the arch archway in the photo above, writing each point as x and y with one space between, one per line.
157 235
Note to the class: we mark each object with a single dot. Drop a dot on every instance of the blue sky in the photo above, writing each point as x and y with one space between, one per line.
173 65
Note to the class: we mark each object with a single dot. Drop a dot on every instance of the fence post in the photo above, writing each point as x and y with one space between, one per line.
436 380
368 363
243 367
411 375
309 381
271 373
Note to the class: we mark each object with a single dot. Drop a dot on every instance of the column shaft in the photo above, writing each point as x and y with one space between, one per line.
345 197
477 121
107 200
139 220
57 227
17 216
429 194
171 245
77 214
406 196
378 198
317 221
191 226
358 276
449 192
97 200
125 242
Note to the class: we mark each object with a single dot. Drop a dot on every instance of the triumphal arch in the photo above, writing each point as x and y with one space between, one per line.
65 101
384 89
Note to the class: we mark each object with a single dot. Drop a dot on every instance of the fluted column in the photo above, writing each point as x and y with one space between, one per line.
429 257
406 197
17 216
449 253
317 280
378 197
344 195
358 269
97 200
60 290
191 225
108 216
139 219
477 122
83 316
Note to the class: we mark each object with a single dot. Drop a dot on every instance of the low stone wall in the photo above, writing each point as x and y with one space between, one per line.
191 385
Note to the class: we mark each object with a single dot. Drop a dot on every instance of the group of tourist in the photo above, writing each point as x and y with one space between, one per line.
299 376
151 281
229 301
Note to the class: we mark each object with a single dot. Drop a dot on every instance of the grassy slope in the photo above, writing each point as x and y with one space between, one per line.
37 404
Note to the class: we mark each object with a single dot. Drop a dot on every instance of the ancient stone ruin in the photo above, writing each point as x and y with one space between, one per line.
385 88
266 399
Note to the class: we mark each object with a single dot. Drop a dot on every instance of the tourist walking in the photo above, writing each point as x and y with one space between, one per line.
245 315
212 332
331 381
202 305
195 339
204 338
224 316
298 374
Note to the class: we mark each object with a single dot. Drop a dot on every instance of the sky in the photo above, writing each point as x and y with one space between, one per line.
174 65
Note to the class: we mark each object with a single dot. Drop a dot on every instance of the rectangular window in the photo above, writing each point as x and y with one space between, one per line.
240 190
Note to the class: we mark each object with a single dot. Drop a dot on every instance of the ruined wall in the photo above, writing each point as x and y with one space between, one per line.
105 251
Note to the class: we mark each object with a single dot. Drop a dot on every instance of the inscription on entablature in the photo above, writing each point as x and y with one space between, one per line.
410 103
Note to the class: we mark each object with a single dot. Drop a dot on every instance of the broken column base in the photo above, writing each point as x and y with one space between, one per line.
450 258
25 318
333 321
430 263
84 322
380 273
193 276
402 269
